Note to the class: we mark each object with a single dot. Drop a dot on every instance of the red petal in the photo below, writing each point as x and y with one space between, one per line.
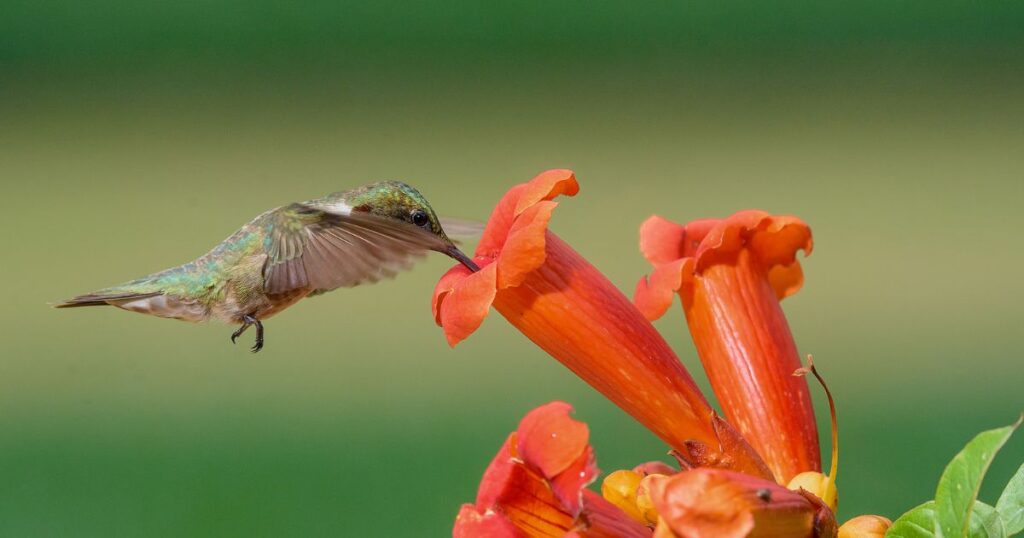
605 520
499 223
786 279
524 247
529 504
461 302
654 294
536 484
773 239
555 444
778 238
472 523
569 484
493 483
515 485
550 440
726 239
446 285
696 231
661 240
546 186
510 487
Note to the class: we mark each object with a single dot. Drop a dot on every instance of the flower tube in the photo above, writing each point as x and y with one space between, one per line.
567 307
731 274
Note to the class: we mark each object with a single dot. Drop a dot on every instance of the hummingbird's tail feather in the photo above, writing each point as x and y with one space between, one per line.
154 303
103 299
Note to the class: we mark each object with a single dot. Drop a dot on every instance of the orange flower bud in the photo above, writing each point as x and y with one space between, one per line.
644 502
619 488
865 527
818 484
724 504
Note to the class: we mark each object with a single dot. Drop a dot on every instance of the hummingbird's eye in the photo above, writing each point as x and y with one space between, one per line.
419 218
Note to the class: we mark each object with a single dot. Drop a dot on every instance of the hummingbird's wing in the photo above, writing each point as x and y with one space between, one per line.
460 228
312 248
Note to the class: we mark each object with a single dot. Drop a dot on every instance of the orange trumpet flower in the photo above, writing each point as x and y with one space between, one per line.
567 307
731 274
534 486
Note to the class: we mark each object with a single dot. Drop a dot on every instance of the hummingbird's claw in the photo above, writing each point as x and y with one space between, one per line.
248 320
236 334
259 336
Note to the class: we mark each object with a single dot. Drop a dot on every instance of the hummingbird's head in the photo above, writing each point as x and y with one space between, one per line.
399 201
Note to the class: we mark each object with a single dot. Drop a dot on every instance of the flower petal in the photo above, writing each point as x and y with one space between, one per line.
462 300
777 239
773 239
524 246
516 489
661 240
569 484
445 285
554 444
654 294
602 519
546 186
550 440
473 523
522 495
786 280
493 483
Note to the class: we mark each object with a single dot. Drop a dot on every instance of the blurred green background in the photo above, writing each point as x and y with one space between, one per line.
134 136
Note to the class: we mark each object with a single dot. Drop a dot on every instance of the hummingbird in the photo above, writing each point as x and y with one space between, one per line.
291 252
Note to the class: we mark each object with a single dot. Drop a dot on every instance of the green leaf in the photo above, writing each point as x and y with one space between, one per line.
1011 504
917 523
958 487
986 522
922 522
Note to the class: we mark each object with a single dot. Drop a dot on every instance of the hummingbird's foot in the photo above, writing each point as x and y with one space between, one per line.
236 334
259 335
248 320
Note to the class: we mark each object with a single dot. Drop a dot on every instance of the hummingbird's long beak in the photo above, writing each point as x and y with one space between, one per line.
457 254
